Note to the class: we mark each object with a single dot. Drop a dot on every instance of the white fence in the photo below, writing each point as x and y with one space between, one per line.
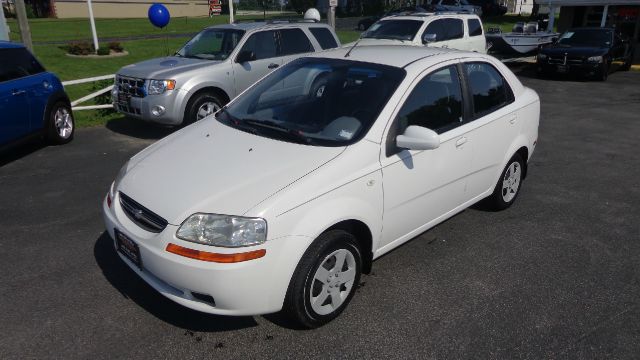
92 95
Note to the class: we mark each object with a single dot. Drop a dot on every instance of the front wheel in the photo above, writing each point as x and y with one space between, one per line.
604 71
60 126
325 280
508 186
201 106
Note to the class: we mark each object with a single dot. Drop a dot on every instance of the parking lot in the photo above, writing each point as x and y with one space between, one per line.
555 276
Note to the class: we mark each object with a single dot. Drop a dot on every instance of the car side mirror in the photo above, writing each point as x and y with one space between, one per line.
245 55
418 138
429 38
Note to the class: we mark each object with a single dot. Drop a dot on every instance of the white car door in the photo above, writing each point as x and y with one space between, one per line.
265 59
495 124
421 187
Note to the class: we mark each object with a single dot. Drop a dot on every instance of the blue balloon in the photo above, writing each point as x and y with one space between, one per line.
159 15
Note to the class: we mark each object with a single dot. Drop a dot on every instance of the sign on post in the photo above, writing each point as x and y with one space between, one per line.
333 3
215 7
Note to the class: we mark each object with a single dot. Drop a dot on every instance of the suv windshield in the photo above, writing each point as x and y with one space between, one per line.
211 44
587 37
322 102
394 29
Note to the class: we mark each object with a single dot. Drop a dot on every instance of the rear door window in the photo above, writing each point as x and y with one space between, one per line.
489 90
324 37
18 63
475 28
294 41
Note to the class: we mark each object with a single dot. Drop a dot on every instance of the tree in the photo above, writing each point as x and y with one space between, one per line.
303 5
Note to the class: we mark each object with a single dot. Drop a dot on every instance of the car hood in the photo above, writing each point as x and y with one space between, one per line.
210 167
560 50
164 68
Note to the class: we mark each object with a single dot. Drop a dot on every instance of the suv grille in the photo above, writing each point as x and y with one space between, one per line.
142 216
129 86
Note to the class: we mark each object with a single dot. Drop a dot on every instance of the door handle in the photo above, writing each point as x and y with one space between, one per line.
513 119
273 66
461 141
15 92
445 46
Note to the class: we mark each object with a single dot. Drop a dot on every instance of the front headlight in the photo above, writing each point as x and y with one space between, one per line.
157 87
223 230
595 59
116 182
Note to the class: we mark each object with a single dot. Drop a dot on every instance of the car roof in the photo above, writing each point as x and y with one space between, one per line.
591 28
392 55
10 45
426 15
250 25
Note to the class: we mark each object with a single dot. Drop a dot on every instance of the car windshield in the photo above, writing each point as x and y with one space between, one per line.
587 37
394 29
211 44
311 101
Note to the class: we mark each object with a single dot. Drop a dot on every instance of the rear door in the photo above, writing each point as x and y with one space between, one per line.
264 45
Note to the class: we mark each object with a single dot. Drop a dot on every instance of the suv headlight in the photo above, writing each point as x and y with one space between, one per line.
223 230
595 59
157 87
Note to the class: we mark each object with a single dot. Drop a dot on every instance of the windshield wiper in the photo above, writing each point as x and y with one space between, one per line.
178 54
293 135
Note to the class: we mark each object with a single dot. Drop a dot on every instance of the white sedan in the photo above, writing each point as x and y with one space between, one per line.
283 198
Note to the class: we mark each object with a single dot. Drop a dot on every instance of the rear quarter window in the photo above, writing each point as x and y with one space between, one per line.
475 28
324 37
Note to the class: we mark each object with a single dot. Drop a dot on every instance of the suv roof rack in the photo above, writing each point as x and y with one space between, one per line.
431 13
277 21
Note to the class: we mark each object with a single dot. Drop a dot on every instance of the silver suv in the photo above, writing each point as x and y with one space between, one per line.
212 68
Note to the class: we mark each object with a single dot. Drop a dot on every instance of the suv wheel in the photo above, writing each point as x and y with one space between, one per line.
325 280
60 125
201 106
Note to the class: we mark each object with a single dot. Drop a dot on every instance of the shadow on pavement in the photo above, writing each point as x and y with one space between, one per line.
133 287
139 129
19 151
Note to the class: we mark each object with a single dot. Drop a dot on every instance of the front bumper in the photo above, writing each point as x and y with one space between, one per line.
583 69
141 107
246 288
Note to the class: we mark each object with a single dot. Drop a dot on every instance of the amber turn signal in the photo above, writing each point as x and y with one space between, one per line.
215 257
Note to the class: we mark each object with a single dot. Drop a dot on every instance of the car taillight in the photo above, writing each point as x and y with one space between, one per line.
109 200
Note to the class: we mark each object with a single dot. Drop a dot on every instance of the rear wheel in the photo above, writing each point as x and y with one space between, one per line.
508 186
325 279
60 126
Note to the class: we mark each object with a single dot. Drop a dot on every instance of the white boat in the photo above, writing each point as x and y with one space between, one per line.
523 39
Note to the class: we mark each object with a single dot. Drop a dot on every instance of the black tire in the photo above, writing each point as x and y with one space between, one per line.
196 102
297 305
603 74
627 64
60 126
499 199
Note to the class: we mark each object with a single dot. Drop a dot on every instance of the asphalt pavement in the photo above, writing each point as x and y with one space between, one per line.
554 276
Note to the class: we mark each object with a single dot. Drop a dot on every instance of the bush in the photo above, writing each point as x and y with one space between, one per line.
80 48
115 46
103 51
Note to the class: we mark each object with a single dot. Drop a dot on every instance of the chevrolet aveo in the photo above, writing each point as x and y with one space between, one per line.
285 197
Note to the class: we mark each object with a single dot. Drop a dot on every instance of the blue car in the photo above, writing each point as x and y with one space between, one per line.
32 101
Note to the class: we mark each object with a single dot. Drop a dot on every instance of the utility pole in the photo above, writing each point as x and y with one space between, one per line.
231 12
23 23
331 15
93 26
4 28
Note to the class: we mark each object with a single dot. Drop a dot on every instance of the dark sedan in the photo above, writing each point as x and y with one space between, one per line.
592 52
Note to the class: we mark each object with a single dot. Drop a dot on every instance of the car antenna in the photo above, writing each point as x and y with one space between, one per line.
353 47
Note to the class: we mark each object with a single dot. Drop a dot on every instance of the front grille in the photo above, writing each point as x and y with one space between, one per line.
128 86
142 216
559 60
